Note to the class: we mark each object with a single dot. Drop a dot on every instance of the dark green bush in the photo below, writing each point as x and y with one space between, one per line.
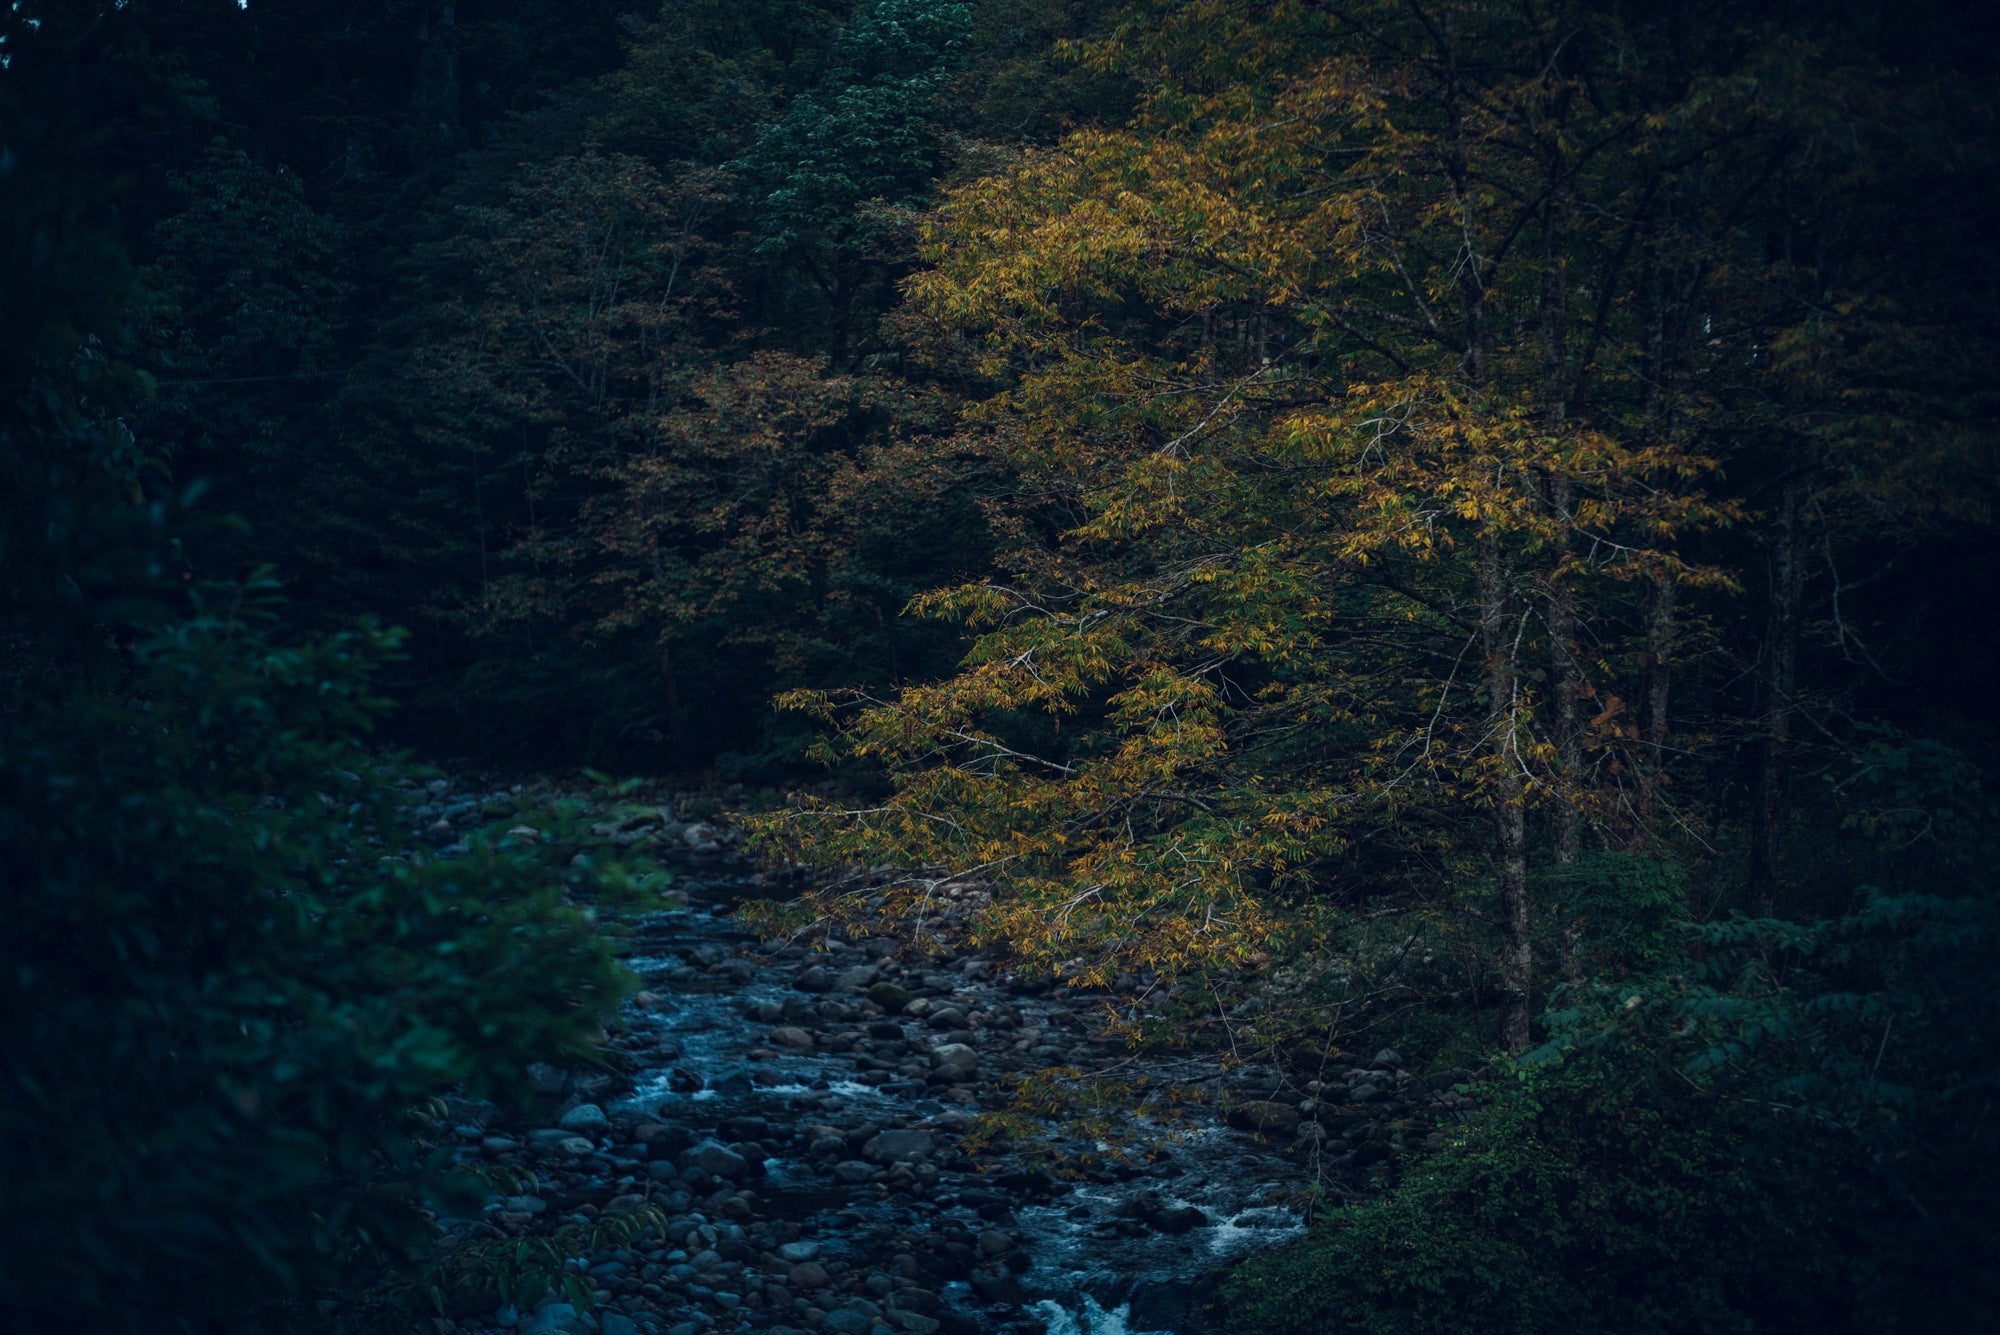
229 985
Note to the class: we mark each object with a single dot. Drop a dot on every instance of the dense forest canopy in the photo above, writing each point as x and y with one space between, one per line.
1451 523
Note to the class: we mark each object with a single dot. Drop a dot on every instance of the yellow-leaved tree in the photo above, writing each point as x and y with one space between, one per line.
1358 404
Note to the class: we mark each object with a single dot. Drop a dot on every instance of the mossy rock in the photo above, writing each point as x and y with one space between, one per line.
889 997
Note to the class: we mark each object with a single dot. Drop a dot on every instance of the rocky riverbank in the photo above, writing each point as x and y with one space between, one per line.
813 1123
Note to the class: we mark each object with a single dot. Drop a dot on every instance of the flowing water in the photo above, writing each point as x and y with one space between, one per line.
1117 1250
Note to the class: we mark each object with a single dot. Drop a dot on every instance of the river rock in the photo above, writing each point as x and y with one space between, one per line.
1389 1057
586 1119
559 1319
663 1139
1264 1115
894 1146
955 1061
814 979
715 1159
889 997
1177 1219
853 1170
791 1036
858 978
544 1078
798 1253
551 1140
807 1275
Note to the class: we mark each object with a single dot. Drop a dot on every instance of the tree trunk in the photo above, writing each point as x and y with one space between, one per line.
1781 651
1564 669
1509 795
1568 681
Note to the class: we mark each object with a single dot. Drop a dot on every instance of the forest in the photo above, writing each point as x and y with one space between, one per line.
1395 600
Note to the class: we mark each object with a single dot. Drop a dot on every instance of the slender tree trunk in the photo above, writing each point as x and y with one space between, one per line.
1568 683
1781 651
1509 797
1659 661
1565 670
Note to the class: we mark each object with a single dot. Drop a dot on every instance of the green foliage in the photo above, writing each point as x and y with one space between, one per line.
250 266
1582 1201
1782 1129
868 132
233 978
232 986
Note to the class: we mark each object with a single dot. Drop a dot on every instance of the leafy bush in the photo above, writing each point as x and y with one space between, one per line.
1778 1127
231 983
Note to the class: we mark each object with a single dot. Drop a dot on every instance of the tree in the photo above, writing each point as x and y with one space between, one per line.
1334 455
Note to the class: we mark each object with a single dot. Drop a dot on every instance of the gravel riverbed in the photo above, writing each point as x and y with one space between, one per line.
800 1116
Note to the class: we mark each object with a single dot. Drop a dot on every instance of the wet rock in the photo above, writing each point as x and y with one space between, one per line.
858 978
554 1141
546 1079
1389 1057
892 1146
948 1017
1178 1219
1263 1115
1166 1305
845 1322
586 1119
853 1170
559 1319
995 1243
889 997
808 1275
1362 1092
814 979
715 1159
999 1287
701 837
956 1061
798 1253
744 1128
791 1036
